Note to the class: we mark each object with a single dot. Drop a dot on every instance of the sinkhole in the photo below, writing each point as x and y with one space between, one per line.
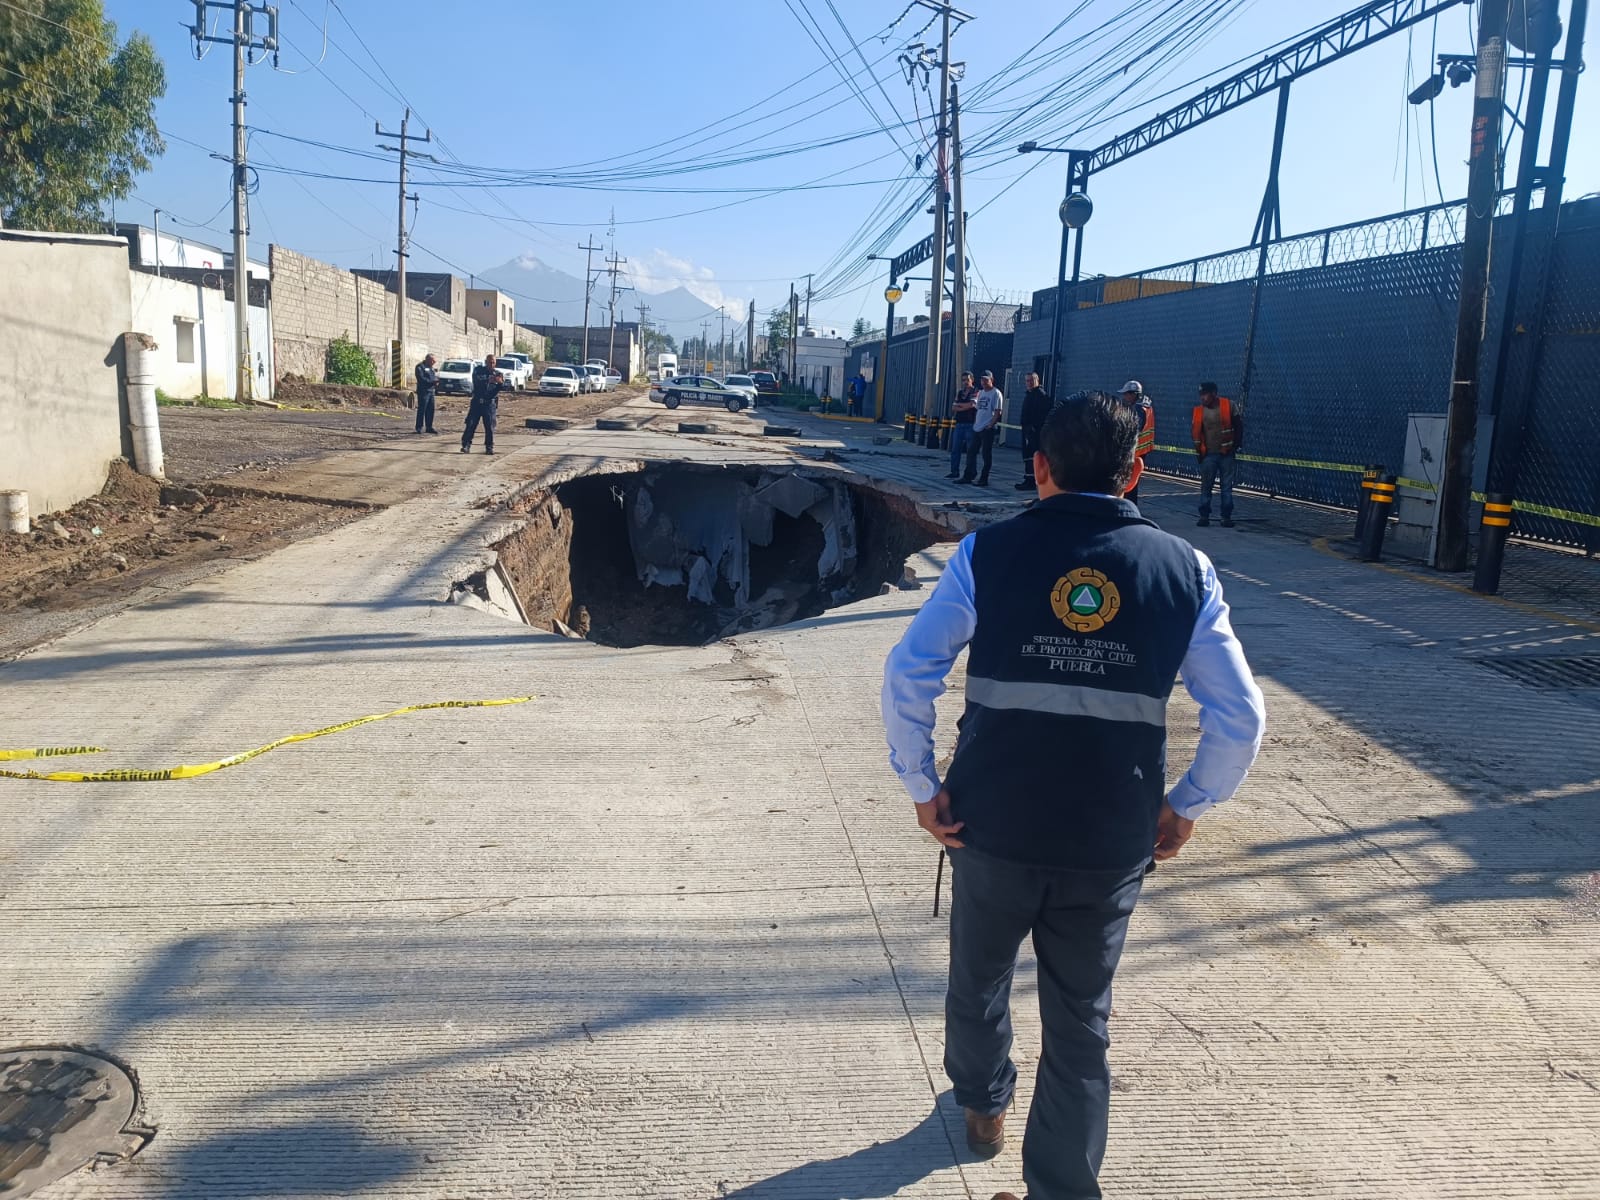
682 555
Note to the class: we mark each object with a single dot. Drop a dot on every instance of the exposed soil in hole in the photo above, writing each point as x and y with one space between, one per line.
683 556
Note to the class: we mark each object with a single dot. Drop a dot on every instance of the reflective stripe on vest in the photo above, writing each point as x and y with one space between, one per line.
1147 435
1066 700
1199 429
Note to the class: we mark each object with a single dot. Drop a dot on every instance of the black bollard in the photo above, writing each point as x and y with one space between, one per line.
1382 505
1364 502
1492 534
911 427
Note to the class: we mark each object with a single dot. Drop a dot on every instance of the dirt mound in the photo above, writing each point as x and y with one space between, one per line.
296 392
136 527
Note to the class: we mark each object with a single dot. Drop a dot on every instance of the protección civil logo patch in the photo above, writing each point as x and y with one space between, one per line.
1085 600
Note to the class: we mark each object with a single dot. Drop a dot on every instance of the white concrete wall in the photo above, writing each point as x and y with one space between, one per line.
63 310
158 306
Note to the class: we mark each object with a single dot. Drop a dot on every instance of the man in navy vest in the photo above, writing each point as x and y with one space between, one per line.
1080 615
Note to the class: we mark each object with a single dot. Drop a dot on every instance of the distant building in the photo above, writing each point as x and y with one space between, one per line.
819 364
495 311
622 349
433 288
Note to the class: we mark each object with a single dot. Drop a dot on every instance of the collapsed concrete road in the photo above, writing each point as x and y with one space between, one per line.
665 931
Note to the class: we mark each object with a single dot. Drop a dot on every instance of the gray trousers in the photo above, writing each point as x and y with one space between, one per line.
1078 920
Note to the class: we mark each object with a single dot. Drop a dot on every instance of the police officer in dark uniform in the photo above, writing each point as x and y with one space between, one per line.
487 384
1079 615
427 389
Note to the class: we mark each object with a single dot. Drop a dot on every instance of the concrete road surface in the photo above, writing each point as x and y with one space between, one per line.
666 930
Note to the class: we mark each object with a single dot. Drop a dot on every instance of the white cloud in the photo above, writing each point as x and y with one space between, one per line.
661 271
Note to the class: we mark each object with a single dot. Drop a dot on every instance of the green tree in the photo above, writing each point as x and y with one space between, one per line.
78 111
862 328
779 327
350 365
658 341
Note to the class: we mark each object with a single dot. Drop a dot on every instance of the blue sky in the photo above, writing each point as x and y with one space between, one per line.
541 87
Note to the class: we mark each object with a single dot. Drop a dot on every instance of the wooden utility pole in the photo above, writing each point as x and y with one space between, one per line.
397 371
1451 546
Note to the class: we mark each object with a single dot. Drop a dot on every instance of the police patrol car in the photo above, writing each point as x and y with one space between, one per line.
698 389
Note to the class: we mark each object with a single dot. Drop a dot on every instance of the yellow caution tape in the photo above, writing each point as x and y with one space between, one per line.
190 772
48 752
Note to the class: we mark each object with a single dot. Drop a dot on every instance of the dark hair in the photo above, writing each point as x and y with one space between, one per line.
1088 440
1208 388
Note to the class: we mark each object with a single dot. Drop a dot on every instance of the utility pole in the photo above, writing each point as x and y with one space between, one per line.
750 339
588 288
808 302
1451 547
644 342
398 369
705 342
958 339
613 265
941 206
794 336
723 313
243 40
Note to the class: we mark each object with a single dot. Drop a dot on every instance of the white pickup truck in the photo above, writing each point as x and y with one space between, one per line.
515 370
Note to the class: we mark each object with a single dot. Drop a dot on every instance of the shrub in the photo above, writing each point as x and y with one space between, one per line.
350 365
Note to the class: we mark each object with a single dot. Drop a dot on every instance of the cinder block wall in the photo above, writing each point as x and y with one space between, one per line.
314 302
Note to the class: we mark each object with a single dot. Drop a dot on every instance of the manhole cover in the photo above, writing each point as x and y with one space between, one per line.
59 1110
1561 673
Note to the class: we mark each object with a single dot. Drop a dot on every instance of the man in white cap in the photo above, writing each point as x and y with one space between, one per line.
1133 396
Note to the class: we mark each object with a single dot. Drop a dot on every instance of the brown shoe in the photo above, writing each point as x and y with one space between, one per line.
986 1136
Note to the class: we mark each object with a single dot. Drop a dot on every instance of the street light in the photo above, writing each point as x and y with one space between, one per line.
1075 210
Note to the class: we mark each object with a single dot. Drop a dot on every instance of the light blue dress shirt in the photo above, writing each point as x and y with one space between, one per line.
1232 713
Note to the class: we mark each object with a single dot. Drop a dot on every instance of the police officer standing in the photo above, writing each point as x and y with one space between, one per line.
1078 615
487 384
427 389
1035 408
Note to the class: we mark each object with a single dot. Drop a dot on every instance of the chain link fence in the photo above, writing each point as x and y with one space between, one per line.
1354 337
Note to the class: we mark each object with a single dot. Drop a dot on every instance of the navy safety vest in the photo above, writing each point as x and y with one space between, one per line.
1084 614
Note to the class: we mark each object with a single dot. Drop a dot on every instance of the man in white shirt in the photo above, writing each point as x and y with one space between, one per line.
985 428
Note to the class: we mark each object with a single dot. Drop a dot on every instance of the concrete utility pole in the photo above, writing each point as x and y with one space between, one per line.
243 40
613 265
794 336
750 339
588 287
723 353
958 340
808 302
397 372
644 342
941 206
1451 546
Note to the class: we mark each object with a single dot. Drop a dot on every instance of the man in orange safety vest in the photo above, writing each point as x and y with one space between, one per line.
1218 429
